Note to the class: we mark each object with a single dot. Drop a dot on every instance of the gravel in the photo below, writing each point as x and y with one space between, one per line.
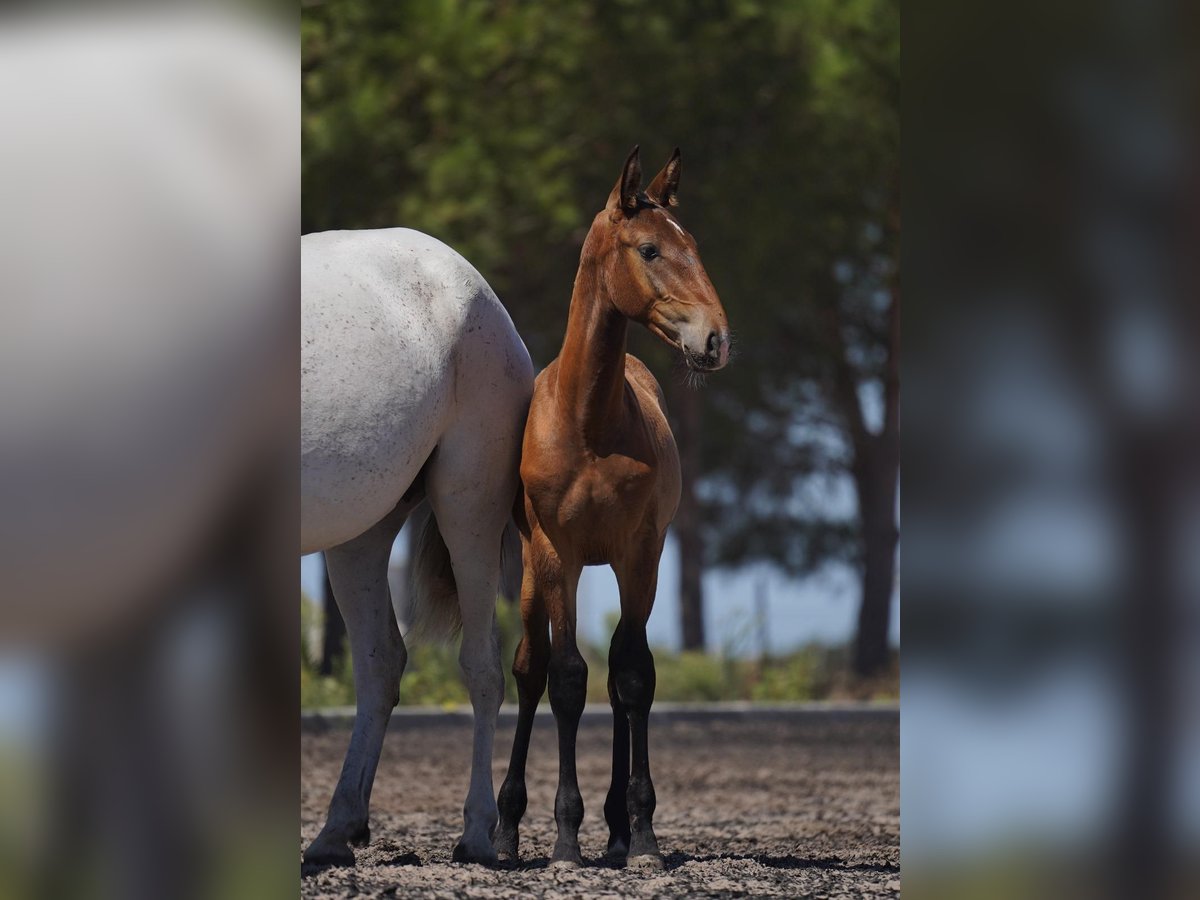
770 805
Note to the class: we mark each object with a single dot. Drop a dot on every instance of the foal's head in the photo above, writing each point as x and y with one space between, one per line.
652 267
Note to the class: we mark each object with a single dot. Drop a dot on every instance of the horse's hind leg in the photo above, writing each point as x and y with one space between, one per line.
529 669
358 573
471 492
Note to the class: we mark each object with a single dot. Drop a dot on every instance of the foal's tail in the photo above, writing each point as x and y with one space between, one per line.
434 608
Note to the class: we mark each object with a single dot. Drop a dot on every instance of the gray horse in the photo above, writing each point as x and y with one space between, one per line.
414 391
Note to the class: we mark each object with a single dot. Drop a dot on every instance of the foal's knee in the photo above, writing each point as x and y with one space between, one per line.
568 683
634 679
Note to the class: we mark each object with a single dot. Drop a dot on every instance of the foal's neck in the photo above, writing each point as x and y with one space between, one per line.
591 367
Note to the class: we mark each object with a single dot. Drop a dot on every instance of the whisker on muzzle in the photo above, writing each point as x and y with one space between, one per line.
688 374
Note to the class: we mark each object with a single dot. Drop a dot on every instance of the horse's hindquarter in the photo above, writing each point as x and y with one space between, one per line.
389 317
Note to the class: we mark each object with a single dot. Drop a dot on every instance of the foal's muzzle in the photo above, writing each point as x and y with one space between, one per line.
714 355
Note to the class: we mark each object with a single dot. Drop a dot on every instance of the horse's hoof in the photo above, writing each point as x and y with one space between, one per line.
647 862
617 850
506 843
484 856
566 858
322 855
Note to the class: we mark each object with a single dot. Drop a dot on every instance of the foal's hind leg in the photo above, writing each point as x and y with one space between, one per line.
358 573
633 679
471 492
529 669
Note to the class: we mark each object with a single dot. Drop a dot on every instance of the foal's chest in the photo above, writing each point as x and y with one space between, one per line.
597 500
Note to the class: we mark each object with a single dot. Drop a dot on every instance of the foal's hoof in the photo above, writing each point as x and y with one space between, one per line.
505 843
484 856
647 862
324 854
617 849
566 858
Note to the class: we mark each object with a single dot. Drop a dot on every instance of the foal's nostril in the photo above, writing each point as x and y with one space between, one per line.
714 344
717 348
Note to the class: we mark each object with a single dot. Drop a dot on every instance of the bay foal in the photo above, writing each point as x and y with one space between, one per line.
601 476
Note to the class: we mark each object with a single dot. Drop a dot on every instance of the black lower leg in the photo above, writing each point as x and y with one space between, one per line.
568 692
615 804
641 799
512 800
635 686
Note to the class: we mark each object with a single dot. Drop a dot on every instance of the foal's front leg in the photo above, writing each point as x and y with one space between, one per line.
635 688
568 693
631 691
616 803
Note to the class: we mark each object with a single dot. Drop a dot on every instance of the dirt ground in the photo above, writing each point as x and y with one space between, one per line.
783 805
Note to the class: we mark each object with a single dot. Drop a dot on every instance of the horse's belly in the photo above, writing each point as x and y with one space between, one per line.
347 489
365 435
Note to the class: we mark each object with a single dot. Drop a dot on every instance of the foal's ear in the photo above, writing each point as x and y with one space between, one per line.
624 194
665 185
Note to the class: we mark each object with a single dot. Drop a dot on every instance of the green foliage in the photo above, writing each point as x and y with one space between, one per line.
326 690
433 677
814 672
696 677
501 127
804 674
310 624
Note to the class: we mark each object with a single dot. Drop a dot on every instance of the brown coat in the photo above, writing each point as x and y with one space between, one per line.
601 479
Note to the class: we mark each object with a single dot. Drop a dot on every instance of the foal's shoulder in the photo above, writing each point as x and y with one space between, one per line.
545 378
637 374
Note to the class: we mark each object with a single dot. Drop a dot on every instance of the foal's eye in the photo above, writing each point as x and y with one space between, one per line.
648 251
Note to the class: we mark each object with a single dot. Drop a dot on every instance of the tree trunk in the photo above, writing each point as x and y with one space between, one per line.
687 521
333 636
876 475
876 472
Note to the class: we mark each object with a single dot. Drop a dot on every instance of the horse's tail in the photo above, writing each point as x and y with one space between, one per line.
434 610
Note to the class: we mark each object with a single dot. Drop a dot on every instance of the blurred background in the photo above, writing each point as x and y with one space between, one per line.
500 129
1050 742
149 202
1051 738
